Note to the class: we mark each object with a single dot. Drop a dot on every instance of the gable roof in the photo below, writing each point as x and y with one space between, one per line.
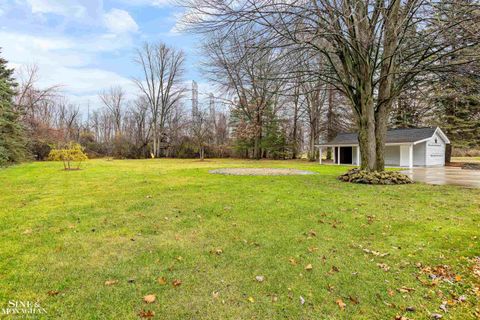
408 135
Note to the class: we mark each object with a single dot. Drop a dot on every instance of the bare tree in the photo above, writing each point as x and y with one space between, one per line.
201 131
161 84
374 48
245 68
114 101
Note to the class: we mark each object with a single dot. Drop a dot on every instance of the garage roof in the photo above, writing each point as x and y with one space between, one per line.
409 135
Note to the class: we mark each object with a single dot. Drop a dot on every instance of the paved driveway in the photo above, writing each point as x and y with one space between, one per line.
445 175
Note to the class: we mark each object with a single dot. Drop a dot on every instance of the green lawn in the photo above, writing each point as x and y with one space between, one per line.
64 234
466 159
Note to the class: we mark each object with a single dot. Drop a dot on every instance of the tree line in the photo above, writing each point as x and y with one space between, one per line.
287 76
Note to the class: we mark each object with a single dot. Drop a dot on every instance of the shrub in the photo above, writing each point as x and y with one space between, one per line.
72 153
385 177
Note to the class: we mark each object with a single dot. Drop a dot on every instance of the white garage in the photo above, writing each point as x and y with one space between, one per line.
404 147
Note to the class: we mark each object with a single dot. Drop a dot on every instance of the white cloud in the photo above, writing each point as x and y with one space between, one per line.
65 61
154 3
58 7
119 21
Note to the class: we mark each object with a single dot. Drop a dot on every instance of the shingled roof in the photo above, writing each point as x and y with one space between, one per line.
408 135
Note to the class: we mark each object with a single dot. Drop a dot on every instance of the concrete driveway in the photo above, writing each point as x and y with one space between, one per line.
445 175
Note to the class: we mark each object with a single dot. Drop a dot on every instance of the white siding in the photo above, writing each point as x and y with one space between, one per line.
419 154
435 151
354 156
392 155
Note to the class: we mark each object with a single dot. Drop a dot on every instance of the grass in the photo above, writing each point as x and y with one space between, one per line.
63 234
465 159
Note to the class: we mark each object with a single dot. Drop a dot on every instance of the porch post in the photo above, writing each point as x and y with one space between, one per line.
410 156
320 154
358 155
334 155
338 155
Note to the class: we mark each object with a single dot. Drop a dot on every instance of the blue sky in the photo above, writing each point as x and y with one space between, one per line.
89 45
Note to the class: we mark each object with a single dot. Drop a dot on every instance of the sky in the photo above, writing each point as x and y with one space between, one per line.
87 46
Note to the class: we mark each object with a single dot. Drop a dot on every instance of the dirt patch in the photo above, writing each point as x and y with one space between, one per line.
260 172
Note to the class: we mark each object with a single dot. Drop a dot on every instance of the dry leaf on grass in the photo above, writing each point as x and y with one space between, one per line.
334 269
292 261
176 282
341 304
146 314
150 298
53 292
383 266
111 282
250 299
260 278
405 289
308 267
162 281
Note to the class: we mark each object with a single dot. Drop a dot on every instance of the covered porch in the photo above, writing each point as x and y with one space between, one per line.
401 155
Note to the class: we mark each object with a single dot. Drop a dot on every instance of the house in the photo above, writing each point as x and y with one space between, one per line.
404 147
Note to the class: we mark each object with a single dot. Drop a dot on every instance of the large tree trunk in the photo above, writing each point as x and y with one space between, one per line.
366 135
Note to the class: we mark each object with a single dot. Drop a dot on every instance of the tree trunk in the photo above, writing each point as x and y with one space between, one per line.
366 135
311 151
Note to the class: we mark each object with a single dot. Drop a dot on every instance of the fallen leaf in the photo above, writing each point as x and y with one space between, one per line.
215 294
162 281
302 300
312 249
176 282
341 304
53 292
292 261
312 233
405 289
179 258
436 316
110 282
250 299
150 298
146 314
260 278
443 307
391 293
383 266
27 231
334 269
308 267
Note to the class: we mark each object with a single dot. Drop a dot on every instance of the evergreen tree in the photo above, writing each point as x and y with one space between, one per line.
12 140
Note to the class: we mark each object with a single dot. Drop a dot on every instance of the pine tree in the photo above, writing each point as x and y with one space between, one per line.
12 139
